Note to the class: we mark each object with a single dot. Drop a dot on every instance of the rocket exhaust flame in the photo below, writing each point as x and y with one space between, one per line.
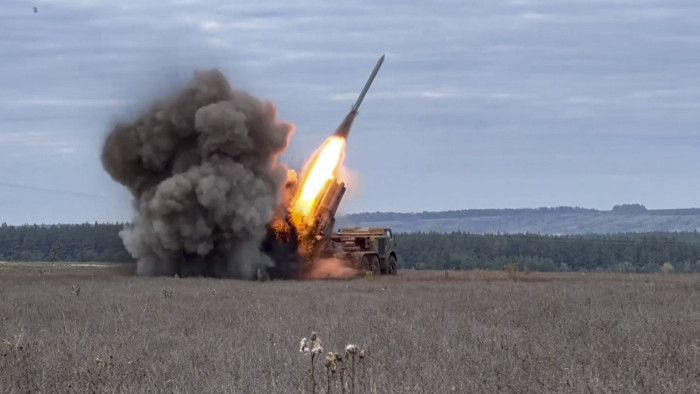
322 167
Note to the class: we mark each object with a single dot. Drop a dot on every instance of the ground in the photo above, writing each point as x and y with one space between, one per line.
427 332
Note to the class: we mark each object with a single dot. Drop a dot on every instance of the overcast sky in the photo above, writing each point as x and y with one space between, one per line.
479 104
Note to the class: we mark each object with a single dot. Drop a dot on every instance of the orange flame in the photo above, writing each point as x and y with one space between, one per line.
322 167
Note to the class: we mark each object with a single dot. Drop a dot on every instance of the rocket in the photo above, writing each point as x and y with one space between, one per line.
344 129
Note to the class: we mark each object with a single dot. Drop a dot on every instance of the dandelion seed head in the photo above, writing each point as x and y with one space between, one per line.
304 345
317 349
351 349
330 360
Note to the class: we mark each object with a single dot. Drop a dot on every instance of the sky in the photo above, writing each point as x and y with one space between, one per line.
479 104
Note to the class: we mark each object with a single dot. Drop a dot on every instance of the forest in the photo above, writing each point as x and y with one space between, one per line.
64 242
628 252
464 213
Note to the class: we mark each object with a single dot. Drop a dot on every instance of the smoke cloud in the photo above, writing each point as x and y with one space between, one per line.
203 169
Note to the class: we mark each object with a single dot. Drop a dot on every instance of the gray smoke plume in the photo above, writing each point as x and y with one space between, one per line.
203 169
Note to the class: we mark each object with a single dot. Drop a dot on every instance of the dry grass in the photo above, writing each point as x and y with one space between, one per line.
469 332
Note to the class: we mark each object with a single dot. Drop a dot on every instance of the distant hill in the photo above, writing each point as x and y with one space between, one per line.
559 220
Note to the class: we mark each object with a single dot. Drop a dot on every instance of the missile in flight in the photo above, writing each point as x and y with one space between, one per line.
344 129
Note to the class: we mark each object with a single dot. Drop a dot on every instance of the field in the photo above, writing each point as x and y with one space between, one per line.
425 332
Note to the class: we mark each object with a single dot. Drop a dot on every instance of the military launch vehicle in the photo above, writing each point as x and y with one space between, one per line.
365 249
370 249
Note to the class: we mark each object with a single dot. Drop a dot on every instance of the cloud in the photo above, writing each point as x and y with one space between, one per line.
216 42
623 15
538 17
76 103
510 96
33 140
655 94
588 100
440 94
400 95
486 77
319 55
210 25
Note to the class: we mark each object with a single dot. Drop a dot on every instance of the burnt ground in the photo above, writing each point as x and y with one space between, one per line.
426 333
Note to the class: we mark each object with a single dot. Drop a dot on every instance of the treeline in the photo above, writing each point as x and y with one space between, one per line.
464 213
630 252
624 209
65 242
641 209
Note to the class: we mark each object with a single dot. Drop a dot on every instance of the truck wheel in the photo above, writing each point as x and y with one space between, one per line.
374 264
392 265
364 264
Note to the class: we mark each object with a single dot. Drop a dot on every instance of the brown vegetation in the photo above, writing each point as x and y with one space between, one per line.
426 332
